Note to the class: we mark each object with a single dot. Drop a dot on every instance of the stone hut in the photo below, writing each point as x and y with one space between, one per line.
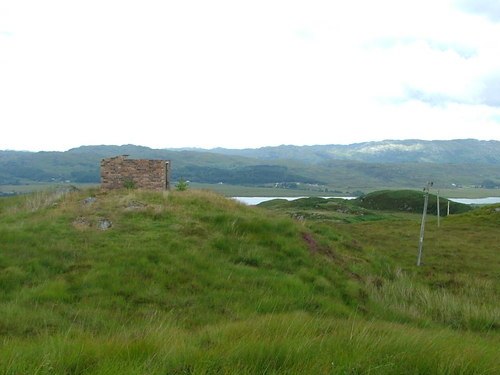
119 172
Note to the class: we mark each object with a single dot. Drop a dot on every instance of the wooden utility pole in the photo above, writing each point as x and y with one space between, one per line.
439 214
422 226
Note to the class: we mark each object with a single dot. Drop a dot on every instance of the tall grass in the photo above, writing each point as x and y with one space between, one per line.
193 283
295 343
467 310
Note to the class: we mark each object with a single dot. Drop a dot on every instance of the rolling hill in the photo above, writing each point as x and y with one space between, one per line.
193 283
463 151
392 164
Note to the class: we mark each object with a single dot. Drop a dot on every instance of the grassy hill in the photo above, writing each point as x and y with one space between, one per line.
132 282
318 208
408 201
373 206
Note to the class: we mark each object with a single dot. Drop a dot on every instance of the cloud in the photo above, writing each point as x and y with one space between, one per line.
486 8
435 71
196 73
433 99
495 117
490 94
463 50
487 94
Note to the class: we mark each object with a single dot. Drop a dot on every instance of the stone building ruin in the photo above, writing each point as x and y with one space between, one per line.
120 172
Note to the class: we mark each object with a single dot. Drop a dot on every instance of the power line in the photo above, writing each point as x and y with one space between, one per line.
422 226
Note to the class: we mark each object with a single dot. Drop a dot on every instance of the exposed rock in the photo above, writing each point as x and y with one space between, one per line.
298 217
89 200
81 223
135 205
64 189
104 224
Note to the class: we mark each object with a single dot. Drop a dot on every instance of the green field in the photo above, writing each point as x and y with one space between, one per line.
229 190
254 191
193 283
31 188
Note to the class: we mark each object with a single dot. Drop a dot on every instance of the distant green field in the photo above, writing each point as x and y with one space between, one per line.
251 191
468 193
23 189
224 189
254 191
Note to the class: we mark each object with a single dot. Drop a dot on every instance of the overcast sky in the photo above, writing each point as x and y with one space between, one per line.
246 73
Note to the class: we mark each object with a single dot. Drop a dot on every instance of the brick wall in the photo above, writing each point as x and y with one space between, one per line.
119 172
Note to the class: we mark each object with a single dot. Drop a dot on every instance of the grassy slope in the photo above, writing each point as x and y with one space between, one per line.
408 201
373 206
318 208
194 283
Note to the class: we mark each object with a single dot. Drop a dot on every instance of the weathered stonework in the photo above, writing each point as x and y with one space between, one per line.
119 172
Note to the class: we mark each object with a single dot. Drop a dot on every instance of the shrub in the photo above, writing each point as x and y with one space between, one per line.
129 184
181 185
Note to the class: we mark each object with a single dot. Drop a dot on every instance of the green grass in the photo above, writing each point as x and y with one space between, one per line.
229 190
458 286
469 193
256 191
462 192
193 283
324 209
42 187
269 344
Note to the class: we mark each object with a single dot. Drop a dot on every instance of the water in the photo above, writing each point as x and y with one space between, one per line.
252 201
489 200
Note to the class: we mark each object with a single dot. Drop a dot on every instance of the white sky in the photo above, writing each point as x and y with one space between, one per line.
246 73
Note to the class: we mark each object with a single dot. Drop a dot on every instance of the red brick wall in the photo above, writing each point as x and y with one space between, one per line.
119 172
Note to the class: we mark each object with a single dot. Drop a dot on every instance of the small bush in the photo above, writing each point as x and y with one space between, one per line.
129 184
181 185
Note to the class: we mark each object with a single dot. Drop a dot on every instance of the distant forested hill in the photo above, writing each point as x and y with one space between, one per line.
358 166
465 151
82 165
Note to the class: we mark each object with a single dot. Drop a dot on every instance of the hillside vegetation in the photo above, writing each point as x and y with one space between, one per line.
133 282
388 164
373 206
408 201
462 151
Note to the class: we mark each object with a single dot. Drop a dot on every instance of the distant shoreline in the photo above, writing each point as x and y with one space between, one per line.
252 201
256 191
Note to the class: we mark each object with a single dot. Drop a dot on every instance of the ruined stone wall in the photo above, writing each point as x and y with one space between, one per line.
120 172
